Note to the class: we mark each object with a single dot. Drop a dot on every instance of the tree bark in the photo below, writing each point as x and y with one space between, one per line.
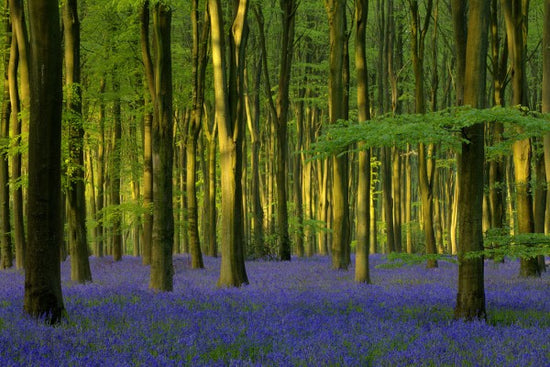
228 96
470 299
546 93
162 134
515 16
336 11
362 273
43 297
6 253
76 196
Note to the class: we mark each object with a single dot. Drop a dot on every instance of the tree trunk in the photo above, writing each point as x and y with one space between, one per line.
43 297
546 94
362 273
162 134
20 60
100 198
470 299
210 218
515 15
230 134
6 253
76 196
200 46
336 11
116 249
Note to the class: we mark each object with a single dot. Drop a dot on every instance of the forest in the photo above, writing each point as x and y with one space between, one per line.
291 182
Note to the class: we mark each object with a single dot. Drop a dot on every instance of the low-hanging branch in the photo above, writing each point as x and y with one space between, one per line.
442 127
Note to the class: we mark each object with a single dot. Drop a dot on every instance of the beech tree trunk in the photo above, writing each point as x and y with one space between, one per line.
470 299
228 114
76 196
362 273
43 297
336 11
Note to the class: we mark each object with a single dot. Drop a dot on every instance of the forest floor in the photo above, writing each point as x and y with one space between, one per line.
298 313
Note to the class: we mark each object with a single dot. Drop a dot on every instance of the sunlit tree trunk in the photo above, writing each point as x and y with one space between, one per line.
115 169
228 96
515 16
100 197
43 297
210 219
6 253
19 99
470 300
76 196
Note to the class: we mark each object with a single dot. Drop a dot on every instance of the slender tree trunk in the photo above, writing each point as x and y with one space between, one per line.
100 198
362 273
43 297
21 61
115 168
200 45
210 219
470 300
546 94
76 196
147 138
6 253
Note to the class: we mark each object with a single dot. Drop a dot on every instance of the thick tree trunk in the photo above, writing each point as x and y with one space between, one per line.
230 131
116 249
43 297
470 299
76 196
162 134
336 11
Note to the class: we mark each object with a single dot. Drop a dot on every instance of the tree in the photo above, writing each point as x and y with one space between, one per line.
6 253
515 15
159 77
337 103
470 299
363 195
228 93
43 297
546 89
199 57
19 103
76 197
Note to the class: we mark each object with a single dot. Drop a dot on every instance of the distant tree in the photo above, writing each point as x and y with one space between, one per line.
76 196
43 297
470 300
364 173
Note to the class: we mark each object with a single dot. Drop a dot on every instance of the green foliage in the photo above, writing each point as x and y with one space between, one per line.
397 260
498 244
441 127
